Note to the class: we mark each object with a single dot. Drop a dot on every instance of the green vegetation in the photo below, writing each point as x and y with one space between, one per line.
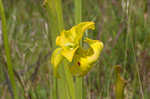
7 51
29 29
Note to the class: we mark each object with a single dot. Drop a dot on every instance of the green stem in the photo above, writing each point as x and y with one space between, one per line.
77 17
78 11
64 87
52 18
70 92
7 50
79 88
59 14
70 82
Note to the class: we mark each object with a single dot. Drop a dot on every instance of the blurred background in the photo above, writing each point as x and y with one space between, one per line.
122 25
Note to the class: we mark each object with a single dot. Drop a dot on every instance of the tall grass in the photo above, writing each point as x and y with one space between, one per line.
130 35
130 44
7 51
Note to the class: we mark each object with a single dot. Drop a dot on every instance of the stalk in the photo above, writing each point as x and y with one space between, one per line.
64 86
70 82
78 11
69 91
51 36
7 50
77 17
59 13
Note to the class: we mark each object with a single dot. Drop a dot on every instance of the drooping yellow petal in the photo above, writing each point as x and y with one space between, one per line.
79 30
68 53
97 47
64 39
74 35
69 40
56 59
83 60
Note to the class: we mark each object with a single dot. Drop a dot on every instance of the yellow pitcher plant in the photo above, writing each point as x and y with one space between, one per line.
80 60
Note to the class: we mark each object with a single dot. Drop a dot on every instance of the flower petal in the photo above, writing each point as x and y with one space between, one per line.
64 39
74 35
56 59
97 47
83 60
77 31
69 40
68 53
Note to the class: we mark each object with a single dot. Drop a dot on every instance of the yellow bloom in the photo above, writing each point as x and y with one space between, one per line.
69 40
80 60
84 59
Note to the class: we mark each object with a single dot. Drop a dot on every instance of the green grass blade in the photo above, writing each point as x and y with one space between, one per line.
7 50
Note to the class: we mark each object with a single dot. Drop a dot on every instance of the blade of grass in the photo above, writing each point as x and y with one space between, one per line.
7 50
77 17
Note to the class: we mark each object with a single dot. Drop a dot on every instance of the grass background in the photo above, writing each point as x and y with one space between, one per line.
125 33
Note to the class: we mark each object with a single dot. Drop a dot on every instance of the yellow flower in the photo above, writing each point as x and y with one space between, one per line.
80 60
84 59
69 40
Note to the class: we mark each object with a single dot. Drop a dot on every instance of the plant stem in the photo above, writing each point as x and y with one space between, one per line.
64 86
52 36
7 50
77 17
78 12
70 82
59 14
